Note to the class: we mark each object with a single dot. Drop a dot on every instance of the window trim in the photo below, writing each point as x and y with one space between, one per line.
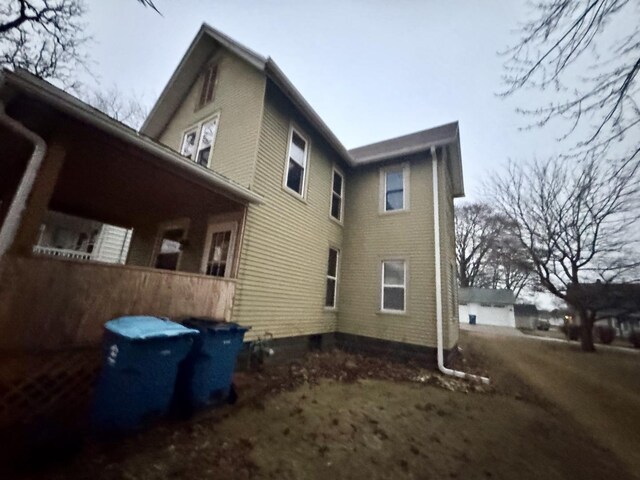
406 177
198 128
404 286
218 226
335 170
302 195
336 279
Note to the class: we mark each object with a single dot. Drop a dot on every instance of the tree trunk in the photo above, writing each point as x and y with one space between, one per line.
586 332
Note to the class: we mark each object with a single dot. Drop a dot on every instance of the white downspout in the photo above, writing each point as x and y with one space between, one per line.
19 203
439 326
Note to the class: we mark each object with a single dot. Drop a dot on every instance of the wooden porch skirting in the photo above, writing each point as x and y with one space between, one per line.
53 304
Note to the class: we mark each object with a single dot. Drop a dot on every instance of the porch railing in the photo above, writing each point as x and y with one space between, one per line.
61 252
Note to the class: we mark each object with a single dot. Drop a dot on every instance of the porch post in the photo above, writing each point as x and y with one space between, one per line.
38 201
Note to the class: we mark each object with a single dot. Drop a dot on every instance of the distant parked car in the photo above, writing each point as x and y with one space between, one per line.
543 325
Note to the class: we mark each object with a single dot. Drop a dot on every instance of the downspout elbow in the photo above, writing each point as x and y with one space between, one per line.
18 205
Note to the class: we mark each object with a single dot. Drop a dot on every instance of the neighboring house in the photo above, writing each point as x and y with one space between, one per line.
487 306
244 206
615 304
526 316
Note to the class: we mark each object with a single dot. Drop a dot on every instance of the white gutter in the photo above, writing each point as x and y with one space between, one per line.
19 203
439 326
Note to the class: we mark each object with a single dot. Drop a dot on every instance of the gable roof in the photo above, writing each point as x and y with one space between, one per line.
492 296
623 297
406 144
204 44
189 68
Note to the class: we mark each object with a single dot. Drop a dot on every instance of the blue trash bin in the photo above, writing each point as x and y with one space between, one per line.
206 373
141 358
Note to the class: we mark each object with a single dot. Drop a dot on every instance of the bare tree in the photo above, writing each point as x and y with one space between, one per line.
577 222
128 109
476 227
46 37
507 264
565 39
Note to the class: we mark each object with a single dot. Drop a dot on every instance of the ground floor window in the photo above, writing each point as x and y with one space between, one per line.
394 281
332 278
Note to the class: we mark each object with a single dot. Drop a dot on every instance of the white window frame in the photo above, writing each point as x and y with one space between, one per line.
335 171
198 129
213 227
180 223
403 285
404 167
302 195
335 279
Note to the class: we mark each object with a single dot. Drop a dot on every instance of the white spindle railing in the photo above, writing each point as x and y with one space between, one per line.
61 252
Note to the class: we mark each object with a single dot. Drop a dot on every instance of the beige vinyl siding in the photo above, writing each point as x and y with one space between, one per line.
239 93
283 265
112 245
371 237
447 248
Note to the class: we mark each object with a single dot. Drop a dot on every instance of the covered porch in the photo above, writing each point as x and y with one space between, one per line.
186 225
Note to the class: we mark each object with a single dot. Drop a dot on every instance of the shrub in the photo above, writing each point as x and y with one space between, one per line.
605 333
572 332
634 338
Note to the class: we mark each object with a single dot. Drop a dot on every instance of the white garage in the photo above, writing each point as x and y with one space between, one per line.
486 306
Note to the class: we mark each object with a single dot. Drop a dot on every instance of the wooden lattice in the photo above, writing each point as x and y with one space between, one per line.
36 386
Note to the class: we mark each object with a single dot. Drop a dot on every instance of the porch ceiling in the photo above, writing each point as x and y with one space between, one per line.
106 180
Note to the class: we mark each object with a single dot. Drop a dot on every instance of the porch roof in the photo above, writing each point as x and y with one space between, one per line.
43 92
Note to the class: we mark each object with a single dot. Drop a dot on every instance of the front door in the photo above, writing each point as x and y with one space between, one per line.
219 249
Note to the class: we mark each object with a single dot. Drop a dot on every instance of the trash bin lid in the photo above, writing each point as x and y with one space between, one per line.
213 325
143 327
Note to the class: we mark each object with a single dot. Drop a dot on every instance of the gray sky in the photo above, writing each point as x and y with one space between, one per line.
372 69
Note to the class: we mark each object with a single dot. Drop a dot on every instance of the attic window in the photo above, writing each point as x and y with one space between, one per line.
208 84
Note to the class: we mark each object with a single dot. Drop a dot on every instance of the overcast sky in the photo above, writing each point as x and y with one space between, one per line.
372 69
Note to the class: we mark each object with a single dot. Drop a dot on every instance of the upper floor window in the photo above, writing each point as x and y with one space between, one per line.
198 141
337 194
394 189
297 163
208 85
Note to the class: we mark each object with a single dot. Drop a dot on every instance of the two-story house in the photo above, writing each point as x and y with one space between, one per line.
243 205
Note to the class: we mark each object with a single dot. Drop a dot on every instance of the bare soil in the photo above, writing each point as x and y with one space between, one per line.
336 415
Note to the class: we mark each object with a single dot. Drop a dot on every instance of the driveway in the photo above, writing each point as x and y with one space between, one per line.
600 391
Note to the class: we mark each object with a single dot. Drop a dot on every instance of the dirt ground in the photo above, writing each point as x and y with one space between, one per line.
343 416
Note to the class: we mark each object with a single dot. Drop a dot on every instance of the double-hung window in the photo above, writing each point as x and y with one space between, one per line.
394 283
198 141
337 195
394 188
297 163
332 278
